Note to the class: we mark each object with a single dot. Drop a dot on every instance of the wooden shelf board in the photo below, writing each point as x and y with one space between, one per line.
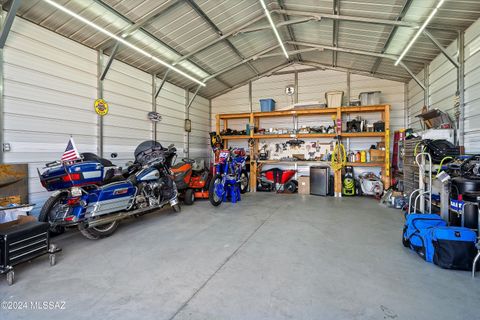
374 108
362 134
285 113
234 116
293 136
293 162
235 137
316 135
365 164
274 136
305 135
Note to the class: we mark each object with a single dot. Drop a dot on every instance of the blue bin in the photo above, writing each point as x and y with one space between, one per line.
267 105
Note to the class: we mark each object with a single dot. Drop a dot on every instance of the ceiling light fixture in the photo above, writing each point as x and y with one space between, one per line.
419 32
121 40
267 13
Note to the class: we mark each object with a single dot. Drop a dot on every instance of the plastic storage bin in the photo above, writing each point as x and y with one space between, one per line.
267 105
334 99
369 98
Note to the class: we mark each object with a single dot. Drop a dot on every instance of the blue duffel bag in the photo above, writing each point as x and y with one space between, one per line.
415 229
450 247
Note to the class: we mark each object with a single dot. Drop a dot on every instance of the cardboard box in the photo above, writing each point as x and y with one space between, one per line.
377 155
304 185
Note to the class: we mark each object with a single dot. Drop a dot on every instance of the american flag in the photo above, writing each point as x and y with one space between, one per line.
71 152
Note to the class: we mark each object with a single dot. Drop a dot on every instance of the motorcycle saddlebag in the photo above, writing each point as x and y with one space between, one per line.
415 229
451 247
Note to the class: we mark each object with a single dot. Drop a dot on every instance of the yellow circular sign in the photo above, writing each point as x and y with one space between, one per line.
101 107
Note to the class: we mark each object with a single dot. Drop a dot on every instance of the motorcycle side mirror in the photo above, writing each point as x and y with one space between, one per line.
114 155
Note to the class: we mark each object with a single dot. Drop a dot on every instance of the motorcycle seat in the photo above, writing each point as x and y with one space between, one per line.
111 176
88 156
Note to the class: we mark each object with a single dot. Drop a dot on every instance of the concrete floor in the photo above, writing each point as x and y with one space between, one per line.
268 257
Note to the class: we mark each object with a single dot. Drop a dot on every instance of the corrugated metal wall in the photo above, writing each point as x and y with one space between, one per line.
311 87
171 105
443 86
472 88
199 137
128 92
50 86
442 79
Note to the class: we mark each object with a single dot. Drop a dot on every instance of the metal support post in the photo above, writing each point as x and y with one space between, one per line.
154 105
336 11
187 113
110 60
186 147
250 97
461 90
2 102
191 100
100 96
8 21
420 83
426 81
349 88
442 49
296 87
162 83
210 117
405 106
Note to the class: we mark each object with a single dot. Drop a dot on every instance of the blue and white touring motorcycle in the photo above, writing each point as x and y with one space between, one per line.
94 195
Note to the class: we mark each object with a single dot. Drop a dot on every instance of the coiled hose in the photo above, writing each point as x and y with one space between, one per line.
339 156
441 164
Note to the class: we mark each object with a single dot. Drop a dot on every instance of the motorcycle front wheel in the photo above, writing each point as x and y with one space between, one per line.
215 184
98 232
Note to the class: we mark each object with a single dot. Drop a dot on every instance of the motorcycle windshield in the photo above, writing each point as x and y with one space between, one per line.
147 147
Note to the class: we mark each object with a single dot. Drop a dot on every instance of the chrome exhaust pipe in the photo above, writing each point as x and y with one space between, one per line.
122 215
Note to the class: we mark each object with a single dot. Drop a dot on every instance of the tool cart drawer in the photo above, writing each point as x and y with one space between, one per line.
23 242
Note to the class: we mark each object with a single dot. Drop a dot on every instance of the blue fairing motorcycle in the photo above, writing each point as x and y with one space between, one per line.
230 177
94 195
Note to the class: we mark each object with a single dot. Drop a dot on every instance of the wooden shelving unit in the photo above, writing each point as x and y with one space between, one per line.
254 119
362 134
365 164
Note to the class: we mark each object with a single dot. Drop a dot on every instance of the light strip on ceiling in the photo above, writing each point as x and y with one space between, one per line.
410 44
121 40
267 13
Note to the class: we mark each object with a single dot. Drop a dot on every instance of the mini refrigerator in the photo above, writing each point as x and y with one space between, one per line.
319 180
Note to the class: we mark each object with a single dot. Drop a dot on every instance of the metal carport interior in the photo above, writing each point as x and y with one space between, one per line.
229 43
